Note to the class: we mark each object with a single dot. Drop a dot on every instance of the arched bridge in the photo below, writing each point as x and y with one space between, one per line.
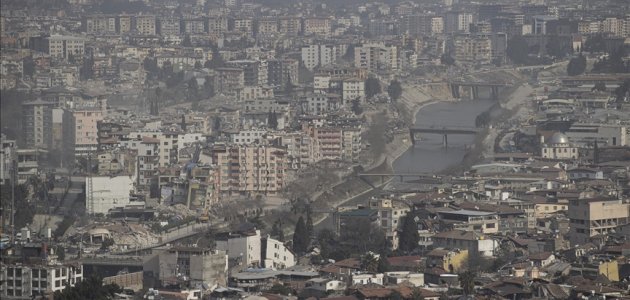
444 131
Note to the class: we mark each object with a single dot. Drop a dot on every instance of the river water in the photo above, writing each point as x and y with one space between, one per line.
429 154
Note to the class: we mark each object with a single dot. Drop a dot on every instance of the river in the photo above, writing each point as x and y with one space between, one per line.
429 154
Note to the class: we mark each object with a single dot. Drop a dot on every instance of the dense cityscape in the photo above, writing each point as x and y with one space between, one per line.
315 149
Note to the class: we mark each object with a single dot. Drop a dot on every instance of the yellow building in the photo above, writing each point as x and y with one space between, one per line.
610 269
452 261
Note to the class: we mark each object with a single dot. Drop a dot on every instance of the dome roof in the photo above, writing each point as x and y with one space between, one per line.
99 231
559 138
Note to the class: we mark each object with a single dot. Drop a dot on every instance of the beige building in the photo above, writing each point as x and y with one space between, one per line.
63 46
290 26
376 56
145 25
473 49
268 26
250 169
590 217
320 26
390 214
86 129
38 123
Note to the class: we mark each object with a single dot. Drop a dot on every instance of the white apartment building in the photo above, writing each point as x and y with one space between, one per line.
437 25
353 88
463 22
242 248
63 46
318 55
277 255
473 49
27 281
376 56
145 25
169 144
104 193
246 137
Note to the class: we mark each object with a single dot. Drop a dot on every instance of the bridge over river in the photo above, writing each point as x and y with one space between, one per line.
416 132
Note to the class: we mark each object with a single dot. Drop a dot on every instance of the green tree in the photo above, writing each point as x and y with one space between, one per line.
416 294
272 120
467 282
60 251
300 237
518 50
369 263
193 90
88 288
577 65
622 91
280 289
276 230
447 59
394 90
186 41
383 264
108 242
409 237
309 221
28 66
372 87
356 107
599 86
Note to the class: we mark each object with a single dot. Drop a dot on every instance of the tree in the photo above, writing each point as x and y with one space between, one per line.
356 107
599 86
108 242
309 221
558 47
622 90
272 120
383 264
28 66
193 89
280 289
300 237
186 41
416 294
447 59
88 288
60 251
276 230
372 87
518 50
369 263
467 282
577 65
394 90
409 237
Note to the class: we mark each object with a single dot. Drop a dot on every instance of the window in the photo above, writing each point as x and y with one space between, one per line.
57 283
490 225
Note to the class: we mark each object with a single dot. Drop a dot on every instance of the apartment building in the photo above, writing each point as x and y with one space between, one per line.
319 26
376 56
38 123
86 129
201 265
146 25
243 25
281 72
168 144
353 89
169 26
229 81
470 48
243 247
64 46
194 26
390 216
290 26
8 153
320 103
598 216
27 281
99 24
268 26
245 169
318 55
276 255
463 22
217 25
124 24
